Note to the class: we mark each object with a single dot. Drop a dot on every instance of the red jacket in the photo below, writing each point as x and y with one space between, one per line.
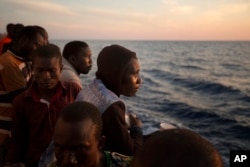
33 122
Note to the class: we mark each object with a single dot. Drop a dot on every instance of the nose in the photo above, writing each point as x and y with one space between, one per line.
139 80
69 158
90 61
46 74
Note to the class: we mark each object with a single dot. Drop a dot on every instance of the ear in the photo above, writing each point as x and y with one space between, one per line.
101 141
72 59
61 67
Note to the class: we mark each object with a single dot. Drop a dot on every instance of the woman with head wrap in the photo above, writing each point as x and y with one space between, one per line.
117 74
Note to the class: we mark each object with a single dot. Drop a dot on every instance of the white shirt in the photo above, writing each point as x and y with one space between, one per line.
69 73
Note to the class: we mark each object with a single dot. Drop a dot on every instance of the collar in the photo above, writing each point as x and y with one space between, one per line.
32 92
107 158
68 66
13 54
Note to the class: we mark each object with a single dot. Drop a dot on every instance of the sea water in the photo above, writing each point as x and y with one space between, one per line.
200 85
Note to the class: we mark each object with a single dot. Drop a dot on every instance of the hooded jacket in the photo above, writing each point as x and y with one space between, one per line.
104 92
111 63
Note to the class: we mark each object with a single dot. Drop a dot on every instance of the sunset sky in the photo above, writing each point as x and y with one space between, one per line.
132 19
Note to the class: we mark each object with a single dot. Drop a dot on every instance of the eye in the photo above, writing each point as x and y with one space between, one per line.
59 150
82 148
38 70
37 44
53 70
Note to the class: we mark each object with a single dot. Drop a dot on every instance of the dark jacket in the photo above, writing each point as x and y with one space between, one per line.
119 137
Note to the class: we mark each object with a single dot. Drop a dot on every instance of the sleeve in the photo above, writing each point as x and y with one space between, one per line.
79 96
13 79
115 129
73 90
77 90
19 134
67 76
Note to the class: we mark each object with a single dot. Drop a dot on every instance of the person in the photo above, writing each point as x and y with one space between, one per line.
117 74
177 148
13 31
37 108
15 75
7 39
43 32
76 60
78 139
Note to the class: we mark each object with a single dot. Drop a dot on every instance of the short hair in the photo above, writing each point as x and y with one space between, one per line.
177 148
48 51
42 31
80 111
17 30
73 47
29 32
10 27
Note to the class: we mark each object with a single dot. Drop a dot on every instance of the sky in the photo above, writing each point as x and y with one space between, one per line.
132 19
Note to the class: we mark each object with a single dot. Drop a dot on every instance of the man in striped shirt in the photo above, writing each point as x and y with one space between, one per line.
15 73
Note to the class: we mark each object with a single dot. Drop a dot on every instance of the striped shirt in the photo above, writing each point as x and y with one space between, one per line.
14 76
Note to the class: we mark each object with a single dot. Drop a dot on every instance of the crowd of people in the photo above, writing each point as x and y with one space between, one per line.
48 118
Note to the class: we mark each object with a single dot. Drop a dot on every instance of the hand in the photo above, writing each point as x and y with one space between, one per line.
20 164
134 120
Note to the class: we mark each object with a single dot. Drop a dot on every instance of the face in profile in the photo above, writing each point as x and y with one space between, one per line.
76 144
82 61
131 80
47 72
30 45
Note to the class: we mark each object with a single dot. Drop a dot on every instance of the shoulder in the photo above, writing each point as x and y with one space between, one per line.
116 106
6 60
22 99
70 85
68 74
116 111
120 160
54 164
72 78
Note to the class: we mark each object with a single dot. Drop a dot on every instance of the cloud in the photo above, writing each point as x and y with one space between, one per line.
174 8
227 12
182 10
119 15
236 8
169 2
46 7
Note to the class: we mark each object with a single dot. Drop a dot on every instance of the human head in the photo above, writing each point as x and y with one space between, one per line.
47 66
78 55
43 32
27 42
17 30
177 148
116 64
77 135
10 29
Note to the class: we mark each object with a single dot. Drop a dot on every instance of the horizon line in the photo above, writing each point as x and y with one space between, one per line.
170 40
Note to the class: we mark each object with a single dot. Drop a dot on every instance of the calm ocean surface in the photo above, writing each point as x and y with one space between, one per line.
203 86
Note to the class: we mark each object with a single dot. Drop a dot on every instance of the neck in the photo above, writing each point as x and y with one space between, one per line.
47 94
15 50
102 160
